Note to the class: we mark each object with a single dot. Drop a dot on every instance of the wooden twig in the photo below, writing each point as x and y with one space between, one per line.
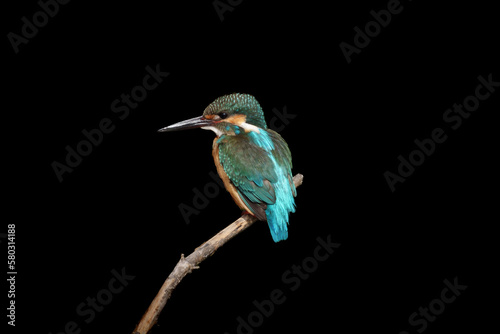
187 264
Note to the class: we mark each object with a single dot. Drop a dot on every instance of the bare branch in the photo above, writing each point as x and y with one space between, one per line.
187 264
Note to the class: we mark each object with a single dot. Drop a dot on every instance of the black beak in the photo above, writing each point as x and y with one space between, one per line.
192 123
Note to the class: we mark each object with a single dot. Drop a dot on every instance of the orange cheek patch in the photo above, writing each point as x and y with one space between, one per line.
209 116
236 119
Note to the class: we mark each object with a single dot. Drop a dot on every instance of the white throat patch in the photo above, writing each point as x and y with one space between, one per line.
214 129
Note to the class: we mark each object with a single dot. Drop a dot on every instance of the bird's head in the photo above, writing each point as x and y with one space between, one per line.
231 114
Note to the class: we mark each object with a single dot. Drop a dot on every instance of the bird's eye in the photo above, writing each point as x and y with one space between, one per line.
223 115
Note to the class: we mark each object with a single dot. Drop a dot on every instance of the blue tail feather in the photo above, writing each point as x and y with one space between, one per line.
277 213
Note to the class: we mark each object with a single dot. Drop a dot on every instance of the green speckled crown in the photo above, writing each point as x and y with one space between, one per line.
238 103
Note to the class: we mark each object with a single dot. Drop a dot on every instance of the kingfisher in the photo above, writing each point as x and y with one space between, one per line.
253 161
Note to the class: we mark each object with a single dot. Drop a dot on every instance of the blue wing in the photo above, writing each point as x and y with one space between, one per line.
259 166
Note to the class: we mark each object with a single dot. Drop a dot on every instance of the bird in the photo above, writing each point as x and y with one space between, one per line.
253 161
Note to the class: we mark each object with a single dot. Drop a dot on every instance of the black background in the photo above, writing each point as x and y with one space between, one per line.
119 207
